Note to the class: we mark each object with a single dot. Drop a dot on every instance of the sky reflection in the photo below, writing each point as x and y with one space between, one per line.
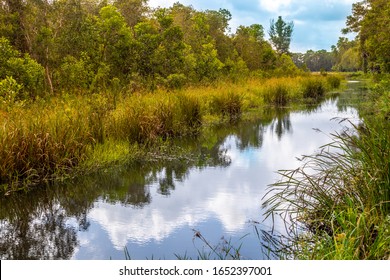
218 201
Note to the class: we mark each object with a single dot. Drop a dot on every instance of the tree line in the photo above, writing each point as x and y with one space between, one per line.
343 57
369 51
91 45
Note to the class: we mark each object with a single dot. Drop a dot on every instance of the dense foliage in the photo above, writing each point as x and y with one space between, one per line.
369 51
370 19
343 57
93 45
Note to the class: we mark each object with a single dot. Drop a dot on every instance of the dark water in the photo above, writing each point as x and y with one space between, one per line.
153 209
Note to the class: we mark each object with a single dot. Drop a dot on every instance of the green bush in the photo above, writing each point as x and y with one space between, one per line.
10 91
23 69
176 81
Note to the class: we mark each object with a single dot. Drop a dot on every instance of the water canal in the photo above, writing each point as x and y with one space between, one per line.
153 210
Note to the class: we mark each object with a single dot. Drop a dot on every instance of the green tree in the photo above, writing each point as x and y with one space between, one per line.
314 60
280 33
370 19
25 71
218 22
252 48
13 22
168 57
115 45
133 11
147 41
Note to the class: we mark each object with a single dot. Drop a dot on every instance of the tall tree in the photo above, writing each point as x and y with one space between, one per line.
280 33
132 10
13 23
252 48
370 19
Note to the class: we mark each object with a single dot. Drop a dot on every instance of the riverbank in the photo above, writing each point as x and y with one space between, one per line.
52 138
337 204
212 183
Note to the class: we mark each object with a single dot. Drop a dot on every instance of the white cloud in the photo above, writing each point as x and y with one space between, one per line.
318 24
231 195
275 6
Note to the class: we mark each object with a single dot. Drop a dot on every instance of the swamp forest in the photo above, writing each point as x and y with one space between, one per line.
134 132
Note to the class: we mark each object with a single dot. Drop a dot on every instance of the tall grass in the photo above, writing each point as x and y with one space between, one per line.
146 118
313 88
224 250
45 138
227 105
337 204
277 94
36 144
333 81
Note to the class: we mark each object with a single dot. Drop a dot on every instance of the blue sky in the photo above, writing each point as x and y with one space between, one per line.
317 23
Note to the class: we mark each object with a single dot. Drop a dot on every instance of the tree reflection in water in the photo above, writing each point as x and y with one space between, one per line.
282 123
36 230
43 224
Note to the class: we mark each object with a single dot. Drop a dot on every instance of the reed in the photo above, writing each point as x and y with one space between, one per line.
277 94
314 88
337 204
146 118
36 145
227 104
45 138
333 81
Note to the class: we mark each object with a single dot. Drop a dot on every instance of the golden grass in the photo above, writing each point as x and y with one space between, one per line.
50 137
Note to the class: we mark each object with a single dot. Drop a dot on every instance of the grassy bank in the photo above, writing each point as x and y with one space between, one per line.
49 138
337 204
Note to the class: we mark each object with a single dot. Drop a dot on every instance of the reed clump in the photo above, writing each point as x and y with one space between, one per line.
277 94
36 145
333 81
338 203
227 105
144 119
314 88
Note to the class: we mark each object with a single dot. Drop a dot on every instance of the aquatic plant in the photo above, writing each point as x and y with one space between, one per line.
277 94
334 81
313 88
36 145
227 105
336 206
224 250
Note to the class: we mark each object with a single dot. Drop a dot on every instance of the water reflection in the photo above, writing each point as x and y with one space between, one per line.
282 123
36 229
151 208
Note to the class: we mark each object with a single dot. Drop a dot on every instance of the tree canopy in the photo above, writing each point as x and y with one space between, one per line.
370 19
90 45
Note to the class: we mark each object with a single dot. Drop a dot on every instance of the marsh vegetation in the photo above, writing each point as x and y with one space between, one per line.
91 87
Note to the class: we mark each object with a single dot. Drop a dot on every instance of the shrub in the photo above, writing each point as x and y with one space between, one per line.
23 69
10 91
176 81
